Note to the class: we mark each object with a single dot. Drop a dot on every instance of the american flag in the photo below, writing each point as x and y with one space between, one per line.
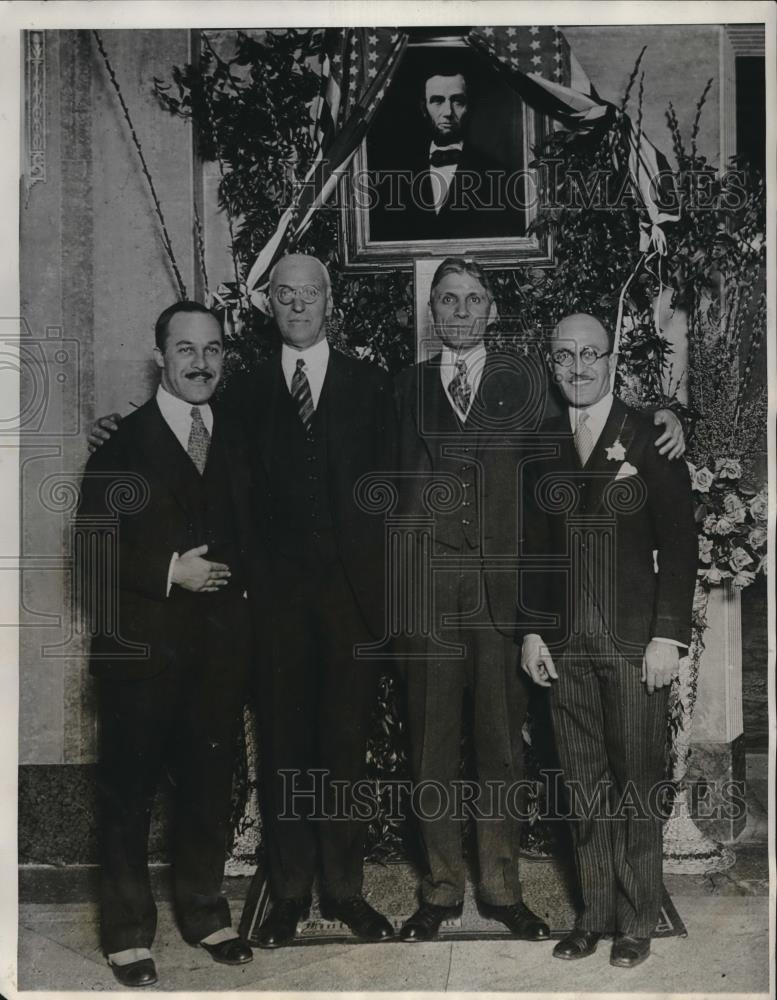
357 67
553 83
540 49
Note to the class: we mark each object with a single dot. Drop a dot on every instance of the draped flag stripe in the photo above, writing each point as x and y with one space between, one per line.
336 147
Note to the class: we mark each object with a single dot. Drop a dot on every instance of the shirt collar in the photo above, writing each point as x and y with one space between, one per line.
597 413
315 357
473 358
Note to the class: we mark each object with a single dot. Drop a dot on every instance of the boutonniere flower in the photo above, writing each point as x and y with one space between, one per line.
616 452
627 469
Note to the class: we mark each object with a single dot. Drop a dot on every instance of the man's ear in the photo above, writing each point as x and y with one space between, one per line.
329 304
159 358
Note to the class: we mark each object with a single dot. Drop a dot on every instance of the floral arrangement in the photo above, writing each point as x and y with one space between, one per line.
732 524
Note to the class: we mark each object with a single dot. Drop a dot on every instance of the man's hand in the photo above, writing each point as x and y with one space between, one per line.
102 429
660 664
192 572
672 441
536 661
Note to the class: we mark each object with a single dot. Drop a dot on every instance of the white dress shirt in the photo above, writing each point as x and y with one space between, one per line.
597 416
177 414
316 359
442 177
475 360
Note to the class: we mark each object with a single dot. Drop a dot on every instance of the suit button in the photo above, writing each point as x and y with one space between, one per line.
465 486
465 521
467 503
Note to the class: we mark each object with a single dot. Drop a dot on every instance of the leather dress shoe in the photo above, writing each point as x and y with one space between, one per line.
364 921
425 922
142 973
577 944
519 920
232 952
629 951
280 926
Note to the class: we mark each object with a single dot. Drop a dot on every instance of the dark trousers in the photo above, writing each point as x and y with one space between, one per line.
611 735
316 703
183 719
435 696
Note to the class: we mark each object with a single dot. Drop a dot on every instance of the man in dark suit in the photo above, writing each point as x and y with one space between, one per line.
445 187
182 576
321 421
611 523
464 415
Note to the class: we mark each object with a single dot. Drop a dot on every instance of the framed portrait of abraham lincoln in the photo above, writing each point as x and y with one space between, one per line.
447 166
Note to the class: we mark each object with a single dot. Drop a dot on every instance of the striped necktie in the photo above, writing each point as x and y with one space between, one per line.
584 438
199 440
460 389
300 391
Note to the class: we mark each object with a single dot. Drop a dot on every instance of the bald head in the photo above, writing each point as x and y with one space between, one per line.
581 359
300 299
582 324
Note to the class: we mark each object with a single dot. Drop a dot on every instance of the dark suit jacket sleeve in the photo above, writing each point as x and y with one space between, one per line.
144 562
541 590
671 510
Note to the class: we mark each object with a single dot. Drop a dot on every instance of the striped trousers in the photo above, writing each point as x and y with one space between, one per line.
611 737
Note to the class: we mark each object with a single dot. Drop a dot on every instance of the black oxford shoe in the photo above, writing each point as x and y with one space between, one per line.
365 922
232 952
142 973
425 922
629 951
519 920
280 925
577 944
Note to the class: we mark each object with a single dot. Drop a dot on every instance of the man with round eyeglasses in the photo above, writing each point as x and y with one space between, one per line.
609 525
322 421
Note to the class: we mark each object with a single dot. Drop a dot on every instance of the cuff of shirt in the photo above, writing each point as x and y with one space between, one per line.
670 642
173 561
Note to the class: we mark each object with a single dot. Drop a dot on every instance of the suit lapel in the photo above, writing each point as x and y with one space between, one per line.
603 469
166 457
269 384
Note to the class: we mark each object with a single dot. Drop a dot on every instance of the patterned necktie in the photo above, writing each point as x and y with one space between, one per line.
199 440
460 389
584 438
300 391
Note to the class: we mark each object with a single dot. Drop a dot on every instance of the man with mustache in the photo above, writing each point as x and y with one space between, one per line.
467 417
172 698
618 579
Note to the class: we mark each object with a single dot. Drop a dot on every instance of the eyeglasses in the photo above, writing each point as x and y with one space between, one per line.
588 355
285 294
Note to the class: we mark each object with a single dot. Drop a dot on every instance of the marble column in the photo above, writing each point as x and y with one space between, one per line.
717 762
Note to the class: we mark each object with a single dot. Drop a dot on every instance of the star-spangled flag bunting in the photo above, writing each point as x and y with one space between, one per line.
554 84
357 67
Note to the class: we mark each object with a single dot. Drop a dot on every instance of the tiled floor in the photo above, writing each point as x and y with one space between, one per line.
726 951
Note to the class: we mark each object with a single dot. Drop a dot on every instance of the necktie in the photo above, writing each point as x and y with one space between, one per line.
444 157
199 440
584 438
300 391
460 389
